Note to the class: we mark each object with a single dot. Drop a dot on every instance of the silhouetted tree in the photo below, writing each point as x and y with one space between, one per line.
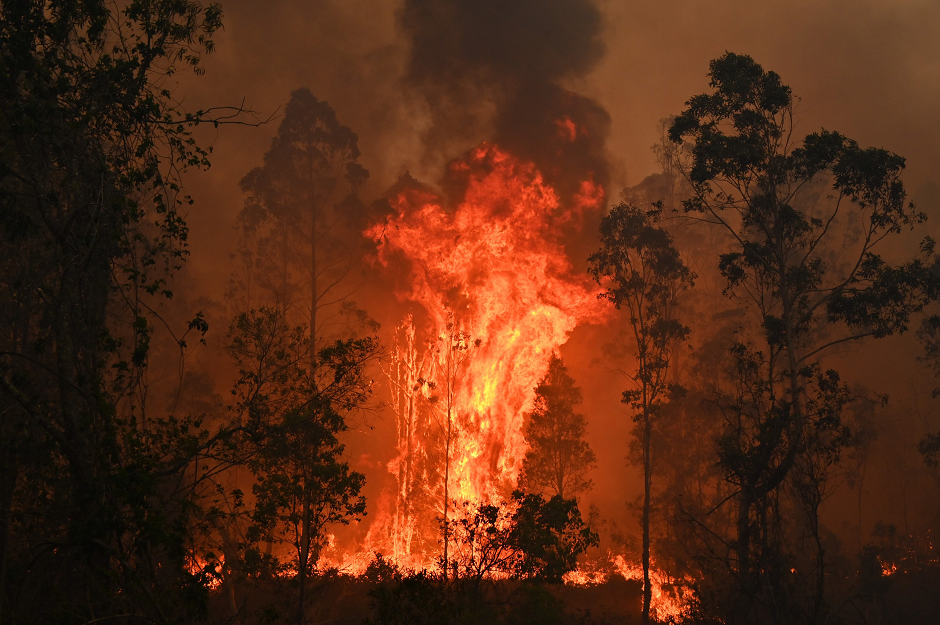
806 215
302 484
929 336
92 147
528 537
558 459
644 276
302 221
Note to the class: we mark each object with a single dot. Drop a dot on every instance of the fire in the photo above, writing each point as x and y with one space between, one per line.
210 567
671 598
670 601
567 129
498 296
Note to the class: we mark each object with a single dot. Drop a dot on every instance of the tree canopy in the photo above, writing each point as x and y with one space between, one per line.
558 459
806 216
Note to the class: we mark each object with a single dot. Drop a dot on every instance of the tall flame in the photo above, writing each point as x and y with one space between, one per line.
499 297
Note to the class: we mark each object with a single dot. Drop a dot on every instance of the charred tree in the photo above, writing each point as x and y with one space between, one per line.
456 344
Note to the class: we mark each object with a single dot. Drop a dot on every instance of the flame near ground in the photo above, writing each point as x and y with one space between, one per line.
496 296
499 297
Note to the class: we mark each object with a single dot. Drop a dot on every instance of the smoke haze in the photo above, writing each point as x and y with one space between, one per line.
423 81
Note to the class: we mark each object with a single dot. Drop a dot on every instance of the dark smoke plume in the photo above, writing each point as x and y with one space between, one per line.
492 68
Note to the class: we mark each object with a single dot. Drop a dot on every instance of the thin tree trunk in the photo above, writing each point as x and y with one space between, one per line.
313 297
230 553
450 370
7 490
304 557
447 480
647 484
743 546
815 498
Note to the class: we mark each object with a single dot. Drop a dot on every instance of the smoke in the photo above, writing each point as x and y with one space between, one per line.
494 68
505 71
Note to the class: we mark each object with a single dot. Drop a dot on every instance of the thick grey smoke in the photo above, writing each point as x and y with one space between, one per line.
494 68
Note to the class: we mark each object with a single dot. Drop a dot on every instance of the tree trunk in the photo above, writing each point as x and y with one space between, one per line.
743 546
304 558
313 297
647 487
7 490
447 477
229 572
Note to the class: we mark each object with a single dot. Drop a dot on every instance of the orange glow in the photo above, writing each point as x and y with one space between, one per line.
212 568
670 600
493 272
491 277
671 597
567 129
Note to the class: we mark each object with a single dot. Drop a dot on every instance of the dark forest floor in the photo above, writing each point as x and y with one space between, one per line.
344 600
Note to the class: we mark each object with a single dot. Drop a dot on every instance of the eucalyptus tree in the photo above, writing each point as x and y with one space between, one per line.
807 217
452 351
644 276
302 220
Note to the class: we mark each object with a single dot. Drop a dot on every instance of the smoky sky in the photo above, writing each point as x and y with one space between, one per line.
497 64
422 78
500 41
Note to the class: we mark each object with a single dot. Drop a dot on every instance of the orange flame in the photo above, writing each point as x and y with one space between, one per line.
567 129
492 270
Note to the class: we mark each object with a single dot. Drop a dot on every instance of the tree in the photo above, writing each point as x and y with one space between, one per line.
644 275
450 359
414 528
806 217
92 148
302 484
558 458
527 537
929 336
302 221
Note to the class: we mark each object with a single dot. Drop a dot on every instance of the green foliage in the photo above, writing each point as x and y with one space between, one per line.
558 458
